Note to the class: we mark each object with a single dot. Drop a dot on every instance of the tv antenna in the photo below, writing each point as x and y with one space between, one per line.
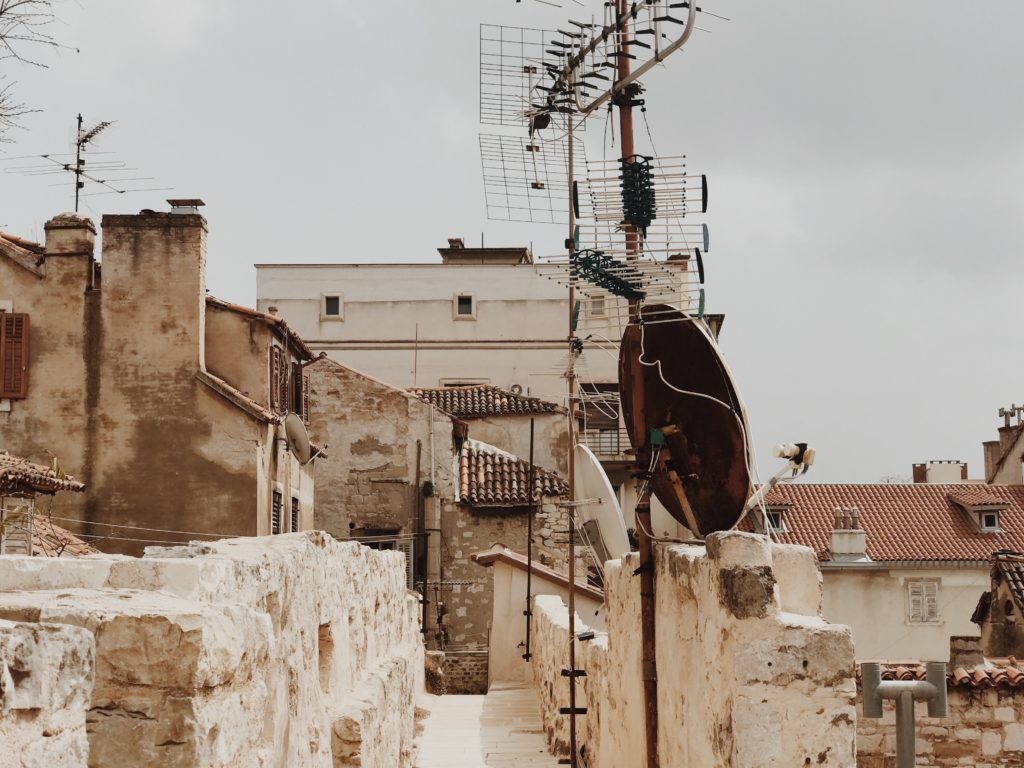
105 173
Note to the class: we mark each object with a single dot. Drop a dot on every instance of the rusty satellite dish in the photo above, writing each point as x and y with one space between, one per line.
699 447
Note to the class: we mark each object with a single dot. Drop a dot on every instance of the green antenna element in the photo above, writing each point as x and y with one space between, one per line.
700 306
707 239
575 315
576 238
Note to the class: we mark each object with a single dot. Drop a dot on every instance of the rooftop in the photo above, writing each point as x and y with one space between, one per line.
483 400
272 320
1004 673
499 553
1009 567
489 477
904 522
19 475
50 540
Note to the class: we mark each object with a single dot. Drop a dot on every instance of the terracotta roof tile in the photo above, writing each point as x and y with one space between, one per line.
483 400
489 477
49 540
21 475
918 521
978 496
1010 567
998 673
21 242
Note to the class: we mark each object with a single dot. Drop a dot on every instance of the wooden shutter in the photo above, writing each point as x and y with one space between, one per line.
305 399
931 600
923 601
295 514
275 378
296 388
276 502
282 392
13 355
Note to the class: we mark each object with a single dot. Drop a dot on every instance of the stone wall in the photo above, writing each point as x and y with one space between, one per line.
46 674
466 531
985 729
748 672
465 671
290 650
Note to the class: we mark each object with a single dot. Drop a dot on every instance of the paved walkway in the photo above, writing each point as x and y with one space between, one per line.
499 730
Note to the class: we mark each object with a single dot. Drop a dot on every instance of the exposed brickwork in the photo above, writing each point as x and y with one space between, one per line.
985 729
465 672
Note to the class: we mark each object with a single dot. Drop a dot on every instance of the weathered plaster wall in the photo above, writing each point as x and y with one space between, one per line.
292 650
46 676
746 677
371 430
512 434
63 318
238 349
873 603
113 393
985 729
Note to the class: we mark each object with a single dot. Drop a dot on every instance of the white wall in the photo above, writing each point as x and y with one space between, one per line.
399 322
873 603
508 638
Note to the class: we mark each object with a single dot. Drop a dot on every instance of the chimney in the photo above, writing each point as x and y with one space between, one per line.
68 234
920 473
941 471
990 449
185 206
849 540
965 651
456 242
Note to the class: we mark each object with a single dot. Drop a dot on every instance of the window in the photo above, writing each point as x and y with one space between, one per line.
278 380
295 514
406 548
597 305
332 306
465 307
775 520
276 502
13 355
989 521
922 601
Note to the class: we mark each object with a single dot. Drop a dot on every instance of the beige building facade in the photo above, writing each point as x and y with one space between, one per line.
167 404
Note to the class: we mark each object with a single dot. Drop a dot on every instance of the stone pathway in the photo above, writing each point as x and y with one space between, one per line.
499 730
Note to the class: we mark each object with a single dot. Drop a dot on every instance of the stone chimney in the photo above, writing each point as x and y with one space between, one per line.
68 234
849 540
965 651
941 471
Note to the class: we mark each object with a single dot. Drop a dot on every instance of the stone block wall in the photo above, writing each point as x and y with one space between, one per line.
748 672
465 671
290 650
985 729
46 675
467 531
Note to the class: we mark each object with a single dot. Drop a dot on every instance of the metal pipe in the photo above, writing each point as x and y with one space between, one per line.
528 613
906 747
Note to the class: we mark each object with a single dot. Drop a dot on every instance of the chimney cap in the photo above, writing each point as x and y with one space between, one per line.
186 203
456 242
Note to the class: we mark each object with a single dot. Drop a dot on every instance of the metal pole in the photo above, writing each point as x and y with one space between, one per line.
419 546
643 505
573 753
78 160
906 747
528 613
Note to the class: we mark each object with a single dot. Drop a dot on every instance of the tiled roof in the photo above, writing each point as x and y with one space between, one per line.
232 395
919 521
998 673
483 400
25 254
489 477
19 475
1010 567
21 242
978 496
49 540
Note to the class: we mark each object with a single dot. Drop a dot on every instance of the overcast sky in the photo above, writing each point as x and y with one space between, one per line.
865 162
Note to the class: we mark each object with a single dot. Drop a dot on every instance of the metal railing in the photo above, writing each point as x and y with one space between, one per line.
608 442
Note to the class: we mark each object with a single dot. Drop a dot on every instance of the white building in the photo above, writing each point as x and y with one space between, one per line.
907 570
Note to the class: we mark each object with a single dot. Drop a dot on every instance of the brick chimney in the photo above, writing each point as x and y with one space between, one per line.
849 540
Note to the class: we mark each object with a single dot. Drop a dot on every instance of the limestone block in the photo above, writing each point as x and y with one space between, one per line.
799 579
46 678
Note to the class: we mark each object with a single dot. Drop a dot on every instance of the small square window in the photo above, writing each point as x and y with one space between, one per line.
775 520
990 521
597 306
465 307
332 306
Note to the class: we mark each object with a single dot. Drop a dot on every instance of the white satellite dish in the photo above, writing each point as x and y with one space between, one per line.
298 438
597 508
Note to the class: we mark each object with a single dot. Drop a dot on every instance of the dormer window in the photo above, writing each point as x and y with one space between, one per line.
989 521
774 520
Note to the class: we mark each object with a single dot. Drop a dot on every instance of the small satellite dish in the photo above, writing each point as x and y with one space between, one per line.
598 509
298 438
677 392
516 389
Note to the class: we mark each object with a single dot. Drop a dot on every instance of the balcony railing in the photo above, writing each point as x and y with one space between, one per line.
608 442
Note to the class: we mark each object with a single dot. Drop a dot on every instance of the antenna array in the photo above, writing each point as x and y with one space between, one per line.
107 174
